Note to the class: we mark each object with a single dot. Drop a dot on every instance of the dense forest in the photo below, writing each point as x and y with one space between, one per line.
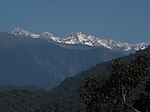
126 90
93 90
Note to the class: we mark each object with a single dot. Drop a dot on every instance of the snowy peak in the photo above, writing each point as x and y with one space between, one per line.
47 34
82 39
50 36
24 33
79 38
140 46
21 32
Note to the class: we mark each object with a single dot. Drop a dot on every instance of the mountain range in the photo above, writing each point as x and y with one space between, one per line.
45 60
29 61
63 98
82 39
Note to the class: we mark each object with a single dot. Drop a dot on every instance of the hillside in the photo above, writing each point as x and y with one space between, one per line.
64 98
29 61
69 89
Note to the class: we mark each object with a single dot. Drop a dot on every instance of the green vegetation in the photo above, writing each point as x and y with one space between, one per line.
128 76
123 91
24 101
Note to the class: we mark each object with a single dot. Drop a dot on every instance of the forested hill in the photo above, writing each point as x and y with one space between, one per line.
69 89
64 98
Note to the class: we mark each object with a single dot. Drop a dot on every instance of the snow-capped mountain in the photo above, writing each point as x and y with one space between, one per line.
21 32
50 36
40 62
82 39
24 33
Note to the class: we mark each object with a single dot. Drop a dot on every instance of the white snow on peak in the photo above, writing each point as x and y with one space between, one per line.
50 36
21 32
47 34
140 46
80 38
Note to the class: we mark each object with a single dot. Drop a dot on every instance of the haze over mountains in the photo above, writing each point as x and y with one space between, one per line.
45 60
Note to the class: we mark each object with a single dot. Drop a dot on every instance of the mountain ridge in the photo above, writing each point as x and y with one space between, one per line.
82 39
29 61
69 90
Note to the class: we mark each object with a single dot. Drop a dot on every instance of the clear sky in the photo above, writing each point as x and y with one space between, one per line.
121 20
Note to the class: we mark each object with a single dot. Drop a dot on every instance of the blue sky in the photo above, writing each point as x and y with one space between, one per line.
121 20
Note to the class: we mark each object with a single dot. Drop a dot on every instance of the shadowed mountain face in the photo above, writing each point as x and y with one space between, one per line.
67 94
63 98
28 61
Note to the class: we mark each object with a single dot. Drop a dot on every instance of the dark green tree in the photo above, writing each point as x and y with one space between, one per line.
116 92
143 102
